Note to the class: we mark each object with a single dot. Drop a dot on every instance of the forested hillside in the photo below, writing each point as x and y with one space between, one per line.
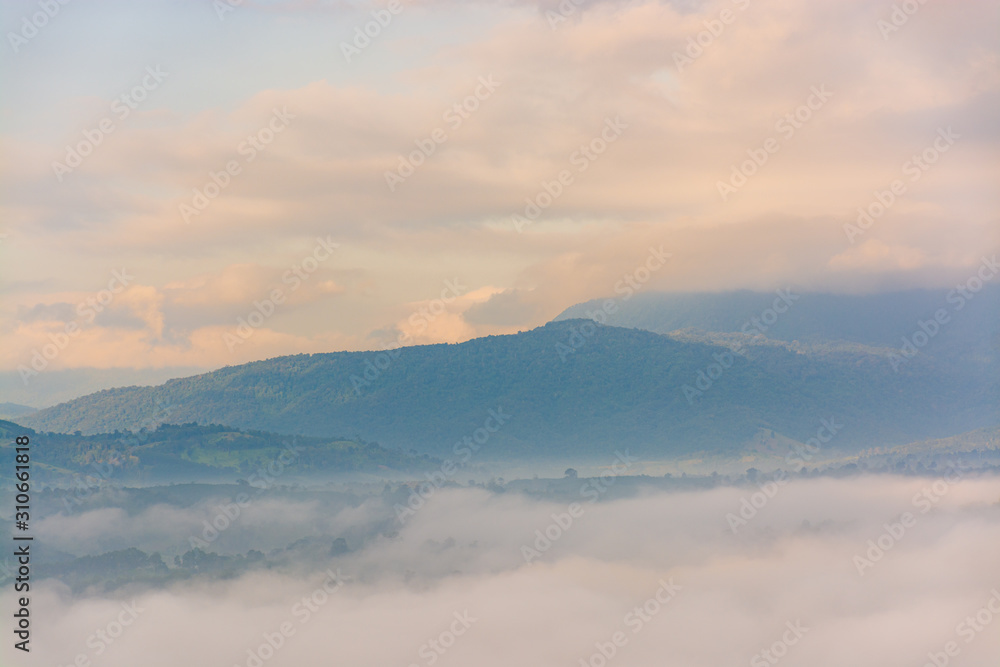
569 387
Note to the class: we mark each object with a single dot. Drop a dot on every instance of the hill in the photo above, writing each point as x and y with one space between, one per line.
192 451
563 393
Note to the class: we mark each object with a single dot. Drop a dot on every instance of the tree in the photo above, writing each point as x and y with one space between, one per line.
339 547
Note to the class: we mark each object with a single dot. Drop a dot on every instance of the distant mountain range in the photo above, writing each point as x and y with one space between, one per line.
572 388
14 410
970 336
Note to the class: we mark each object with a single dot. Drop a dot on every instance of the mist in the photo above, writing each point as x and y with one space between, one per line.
878 571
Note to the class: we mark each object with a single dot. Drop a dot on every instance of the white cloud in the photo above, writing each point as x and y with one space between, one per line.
792 563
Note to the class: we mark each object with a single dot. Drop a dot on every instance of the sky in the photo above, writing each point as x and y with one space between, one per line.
194 184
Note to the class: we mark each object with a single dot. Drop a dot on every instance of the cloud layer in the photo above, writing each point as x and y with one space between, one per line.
795 563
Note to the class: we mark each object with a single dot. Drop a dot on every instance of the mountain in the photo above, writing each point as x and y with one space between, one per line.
198 451
970 337
14 410
570 388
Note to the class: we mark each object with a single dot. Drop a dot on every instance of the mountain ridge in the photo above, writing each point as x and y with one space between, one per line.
570 386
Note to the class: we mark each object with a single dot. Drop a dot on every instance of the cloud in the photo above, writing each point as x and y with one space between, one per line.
793 563
508 308
875 255
47 312
685 131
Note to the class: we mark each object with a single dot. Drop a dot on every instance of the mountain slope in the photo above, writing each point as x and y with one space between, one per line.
193 451
565 393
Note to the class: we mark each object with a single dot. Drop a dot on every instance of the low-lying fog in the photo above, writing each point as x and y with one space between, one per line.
869 571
